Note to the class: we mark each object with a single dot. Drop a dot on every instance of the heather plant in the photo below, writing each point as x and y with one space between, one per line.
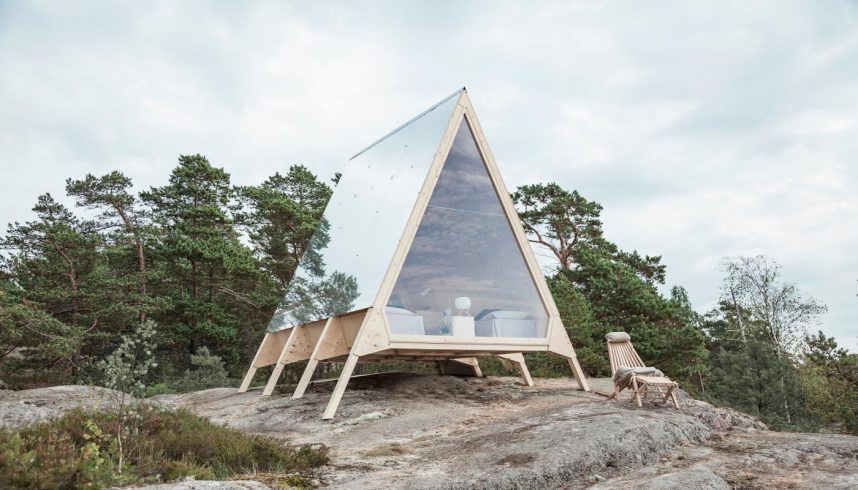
77 450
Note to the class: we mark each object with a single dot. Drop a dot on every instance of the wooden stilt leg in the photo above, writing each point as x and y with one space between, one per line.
476 367
559 343
579 374
272 381
525 373
281 363
245 383
313 361
305 378
518 360
248 378
334 402
471 362
673 396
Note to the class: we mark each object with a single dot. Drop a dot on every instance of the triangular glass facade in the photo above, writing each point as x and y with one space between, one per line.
464 275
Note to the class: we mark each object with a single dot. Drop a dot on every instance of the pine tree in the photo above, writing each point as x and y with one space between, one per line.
221 297
128 237
55 265
283 214
619 287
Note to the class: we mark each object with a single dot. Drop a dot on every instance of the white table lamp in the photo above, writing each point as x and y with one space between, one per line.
463 304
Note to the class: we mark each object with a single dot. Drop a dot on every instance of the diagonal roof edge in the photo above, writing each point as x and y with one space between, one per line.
418 116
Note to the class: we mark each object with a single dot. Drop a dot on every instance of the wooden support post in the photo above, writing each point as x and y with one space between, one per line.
307 375
334 402
281 363
476 367
579 374
559 343
248 378
518 360
245 383
470 362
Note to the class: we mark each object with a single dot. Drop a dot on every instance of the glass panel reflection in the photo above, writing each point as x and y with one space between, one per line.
464 275
363 222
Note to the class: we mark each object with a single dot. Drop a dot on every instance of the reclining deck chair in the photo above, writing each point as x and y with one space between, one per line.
635 374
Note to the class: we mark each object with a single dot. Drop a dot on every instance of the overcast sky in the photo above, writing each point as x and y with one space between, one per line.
704 130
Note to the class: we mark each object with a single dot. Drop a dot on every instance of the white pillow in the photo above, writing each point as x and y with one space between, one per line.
508 315
394 310
618 337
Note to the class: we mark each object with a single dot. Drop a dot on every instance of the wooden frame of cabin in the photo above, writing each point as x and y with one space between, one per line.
365 336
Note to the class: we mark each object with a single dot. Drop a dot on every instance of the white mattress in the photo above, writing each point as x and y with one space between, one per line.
405 324
503 327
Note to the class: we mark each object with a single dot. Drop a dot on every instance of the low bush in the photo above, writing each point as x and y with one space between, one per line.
79 450
158 389
207 371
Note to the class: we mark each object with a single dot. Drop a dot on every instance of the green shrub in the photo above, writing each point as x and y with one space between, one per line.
158 389
78 451
208 371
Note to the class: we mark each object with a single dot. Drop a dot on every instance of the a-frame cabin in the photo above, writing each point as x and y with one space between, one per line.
420 255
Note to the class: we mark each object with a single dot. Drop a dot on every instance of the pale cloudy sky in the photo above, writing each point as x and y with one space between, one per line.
705 129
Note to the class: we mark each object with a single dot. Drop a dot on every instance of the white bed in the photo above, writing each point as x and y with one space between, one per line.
404 322
506 323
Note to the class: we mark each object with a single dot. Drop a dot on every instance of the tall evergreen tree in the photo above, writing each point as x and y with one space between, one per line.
282 215
619 287
55 266
128 238
749 379
829 376
220 295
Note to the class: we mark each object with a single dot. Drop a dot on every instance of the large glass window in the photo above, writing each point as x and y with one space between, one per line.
464 274
350 252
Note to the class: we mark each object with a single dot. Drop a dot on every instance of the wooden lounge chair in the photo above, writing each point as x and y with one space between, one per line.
622 354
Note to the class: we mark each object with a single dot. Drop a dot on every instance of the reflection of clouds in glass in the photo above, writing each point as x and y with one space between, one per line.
466 254
464 183
464 246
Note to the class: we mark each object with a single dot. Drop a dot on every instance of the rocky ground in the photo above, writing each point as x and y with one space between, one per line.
421 431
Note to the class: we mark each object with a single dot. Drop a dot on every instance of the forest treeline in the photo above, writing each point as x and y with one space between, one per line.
207 262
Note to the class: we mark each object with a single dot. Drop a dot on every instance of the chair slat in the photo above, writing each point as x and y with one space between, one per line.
612 355
624 354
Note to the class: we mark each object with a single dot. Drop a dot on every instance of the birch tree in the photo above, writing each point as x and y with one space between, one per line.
755 285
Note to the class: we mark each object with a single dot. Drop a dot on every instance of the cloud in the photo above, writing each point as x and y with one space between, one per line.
704 129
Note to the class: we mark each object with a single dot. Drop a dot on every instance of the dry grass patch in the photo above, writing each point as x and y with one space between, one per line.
391 449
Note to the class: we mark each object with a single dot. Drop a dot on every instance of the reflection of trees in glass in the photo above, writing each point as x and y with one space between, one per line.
312 262
281 216
313 295
311 299
336 294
